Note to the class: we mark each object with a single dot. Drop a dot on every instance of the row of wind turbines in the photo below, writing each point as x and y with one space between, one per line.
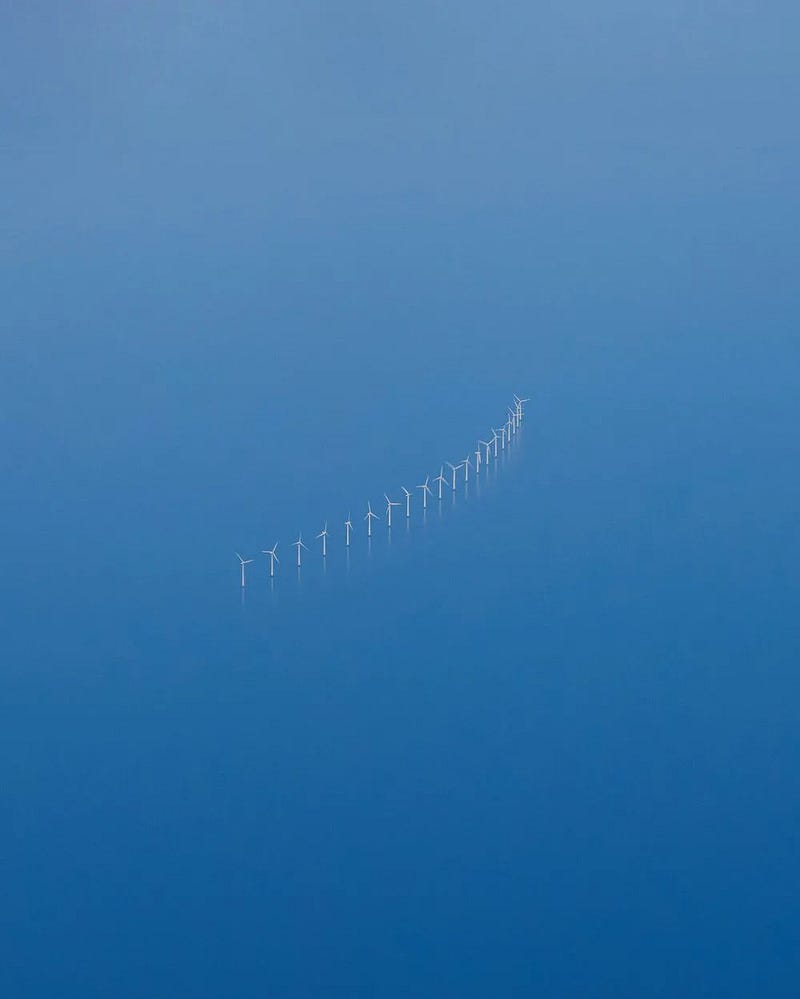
500 436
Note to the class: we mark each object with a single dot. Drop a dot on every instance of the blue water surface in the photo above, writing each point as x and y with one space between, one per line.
261 265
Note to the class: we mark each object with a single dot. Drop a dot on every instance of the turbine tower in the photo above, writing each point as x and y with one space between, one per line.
487 445
324 535
348 527
466 463
408 501
441 480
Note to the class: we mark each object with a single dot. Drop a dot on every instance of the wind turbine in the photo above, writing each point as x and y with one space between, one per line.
389 505
495 439
440 479
244 561
520 403
502 432
512 421
369 518
487 445
455 469
273 558
408 501
324 535
477 460
466 463
425 490
299 546
348 527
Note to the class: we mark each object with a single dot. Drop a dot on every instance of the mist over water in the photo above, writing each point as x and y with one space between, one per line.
260 267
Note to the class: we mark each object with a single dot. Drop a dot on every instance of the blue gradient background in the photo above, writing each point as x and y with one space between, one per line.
261 263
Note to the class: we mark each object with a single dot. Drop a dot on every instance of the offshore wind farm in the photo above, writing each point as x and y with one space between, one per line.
329 668
343 538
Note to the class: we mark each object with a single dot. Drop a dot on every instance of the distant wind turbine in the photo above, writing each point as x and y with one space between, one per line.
441 480
348 527
408 501
454 469
273 558
299 546
244 561
389 505
425 490
369 518
466 463
324 535
487 445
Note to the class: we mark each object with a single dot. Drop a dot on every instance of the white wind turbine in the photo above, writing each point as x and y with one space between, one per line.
477 460
324 535
273 558
369 518
389 505
512 421
466 463
502 432
441 480
495 439
520 403
425 490
454 469
244 561
348 527
299 546
408 501
487 445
